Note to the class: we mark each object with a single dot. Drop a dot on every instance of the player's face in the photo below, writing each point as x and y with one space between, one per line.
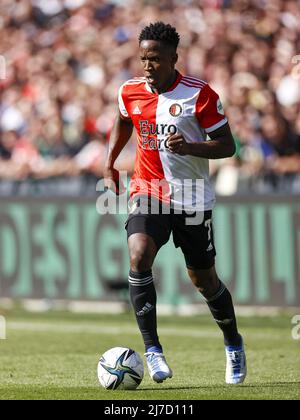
158 63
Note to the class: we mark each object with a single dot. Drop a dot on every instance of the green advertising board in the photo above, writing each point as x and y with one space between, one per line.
63 249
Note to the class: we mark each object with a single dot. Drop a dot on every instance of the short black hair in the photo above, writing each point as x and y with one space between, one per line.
162 32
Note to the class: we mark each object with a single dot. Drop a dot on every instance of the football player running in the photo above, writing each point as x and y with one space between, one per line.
172 115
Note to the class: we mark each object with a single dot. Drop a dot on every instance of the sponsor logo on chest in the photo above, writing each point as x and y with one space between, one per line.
148 129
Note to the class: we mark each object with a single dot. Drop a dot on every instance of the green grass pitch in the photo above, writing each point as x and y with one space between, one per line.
55 355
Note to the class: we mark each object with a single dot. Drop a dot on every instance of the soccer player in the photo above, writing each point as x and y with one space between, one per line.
172 115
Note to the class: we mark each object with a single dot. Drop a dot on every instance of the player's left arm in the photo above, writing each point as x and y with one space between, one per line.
221 145
210 115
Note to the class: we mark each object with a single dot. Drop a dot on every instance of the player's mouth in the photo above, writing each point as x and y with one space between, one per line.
151 79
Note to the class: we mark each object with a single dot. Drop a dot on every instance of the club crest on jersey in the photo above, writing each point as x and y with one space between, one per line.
175 110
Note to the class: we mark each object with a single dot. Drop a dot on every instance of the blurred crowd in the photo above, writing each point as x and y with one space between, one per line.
66 59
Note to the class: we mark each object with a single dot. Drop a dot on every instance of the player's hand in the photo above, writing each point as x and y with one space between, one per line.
176 143
112 181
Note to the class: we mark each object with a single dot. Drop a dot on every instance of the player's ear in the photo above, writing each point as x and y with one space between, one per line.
175 58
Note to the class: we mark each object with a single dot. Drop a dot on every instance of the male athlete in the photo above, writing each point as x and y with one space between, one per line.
172 115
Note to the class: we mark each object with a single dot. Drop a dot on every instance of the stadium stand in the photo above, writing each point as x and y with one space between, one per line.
66 59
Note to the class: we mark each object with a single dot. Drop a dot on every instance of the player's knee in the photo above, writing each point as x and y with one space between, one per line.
142 251
208 290
140 261
207 282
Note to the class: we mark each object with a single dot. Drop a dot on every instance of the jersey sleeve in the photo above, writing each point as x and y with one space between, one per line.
209 110
122 108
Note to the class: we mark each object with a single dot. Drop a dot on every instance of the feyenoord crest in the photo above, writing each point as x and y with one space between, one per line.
175 110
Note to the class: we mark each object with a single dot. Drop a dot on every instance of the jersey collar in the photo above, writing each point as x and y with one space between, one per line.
174 85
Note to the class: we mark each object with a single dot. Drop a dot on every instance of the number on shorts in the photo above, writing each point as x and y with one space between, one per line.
208 225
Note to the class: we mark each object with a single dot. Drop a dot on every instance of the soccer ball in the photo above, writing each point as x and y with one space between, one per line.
120 368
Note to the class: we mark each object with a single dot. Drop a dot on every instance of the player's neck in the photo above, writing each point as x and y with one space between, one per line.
170 82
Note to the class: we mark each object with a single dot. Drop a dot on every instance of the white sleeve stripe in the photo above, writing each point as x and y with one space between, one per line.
194 80
191 85
135 81
216 126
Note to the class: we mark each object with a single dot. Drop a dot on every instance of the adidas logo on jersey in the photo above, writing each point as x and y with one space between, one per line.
137 111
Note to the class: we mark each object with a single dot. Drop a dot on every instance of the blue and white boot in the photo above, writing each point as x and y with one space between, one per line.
158 367
236 367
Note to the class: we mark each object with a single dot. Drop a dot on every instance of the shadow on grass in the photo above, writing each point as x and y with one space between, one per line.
219 387
248 391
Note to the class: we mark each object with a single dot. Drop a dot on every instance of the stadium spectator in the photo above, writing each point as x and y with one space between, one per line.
66 60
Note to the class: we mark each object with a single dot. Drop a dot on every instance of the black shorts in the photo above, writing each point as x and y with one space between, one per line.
193 233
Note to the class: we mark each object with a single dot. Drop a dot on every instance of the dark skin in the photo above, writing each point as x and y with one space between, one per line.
210 149
120 134
158 62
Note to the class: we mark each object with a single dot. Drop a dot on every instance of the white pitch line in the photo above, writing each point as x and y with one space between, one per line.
125 329
109 330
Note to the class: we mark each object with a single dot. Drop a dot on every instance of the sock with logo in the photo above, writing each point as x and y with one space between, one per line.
143 299
222 309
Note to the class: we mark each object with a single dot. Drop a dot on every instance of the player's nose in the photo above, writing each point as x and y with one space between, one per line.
147 65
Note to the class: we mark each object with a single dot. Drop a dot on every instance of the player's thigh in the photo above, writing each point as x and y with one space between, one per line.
146 234
196 241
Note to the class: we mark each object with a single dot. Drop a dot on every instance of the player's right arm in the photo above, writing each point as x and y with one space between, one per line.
120 135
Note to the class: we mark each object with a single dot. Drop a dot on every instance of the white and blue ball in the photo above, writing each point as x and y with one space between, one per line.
120 368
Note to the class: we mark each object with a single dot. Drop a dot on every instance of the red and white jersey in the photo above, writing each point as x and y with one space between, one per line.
190 107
